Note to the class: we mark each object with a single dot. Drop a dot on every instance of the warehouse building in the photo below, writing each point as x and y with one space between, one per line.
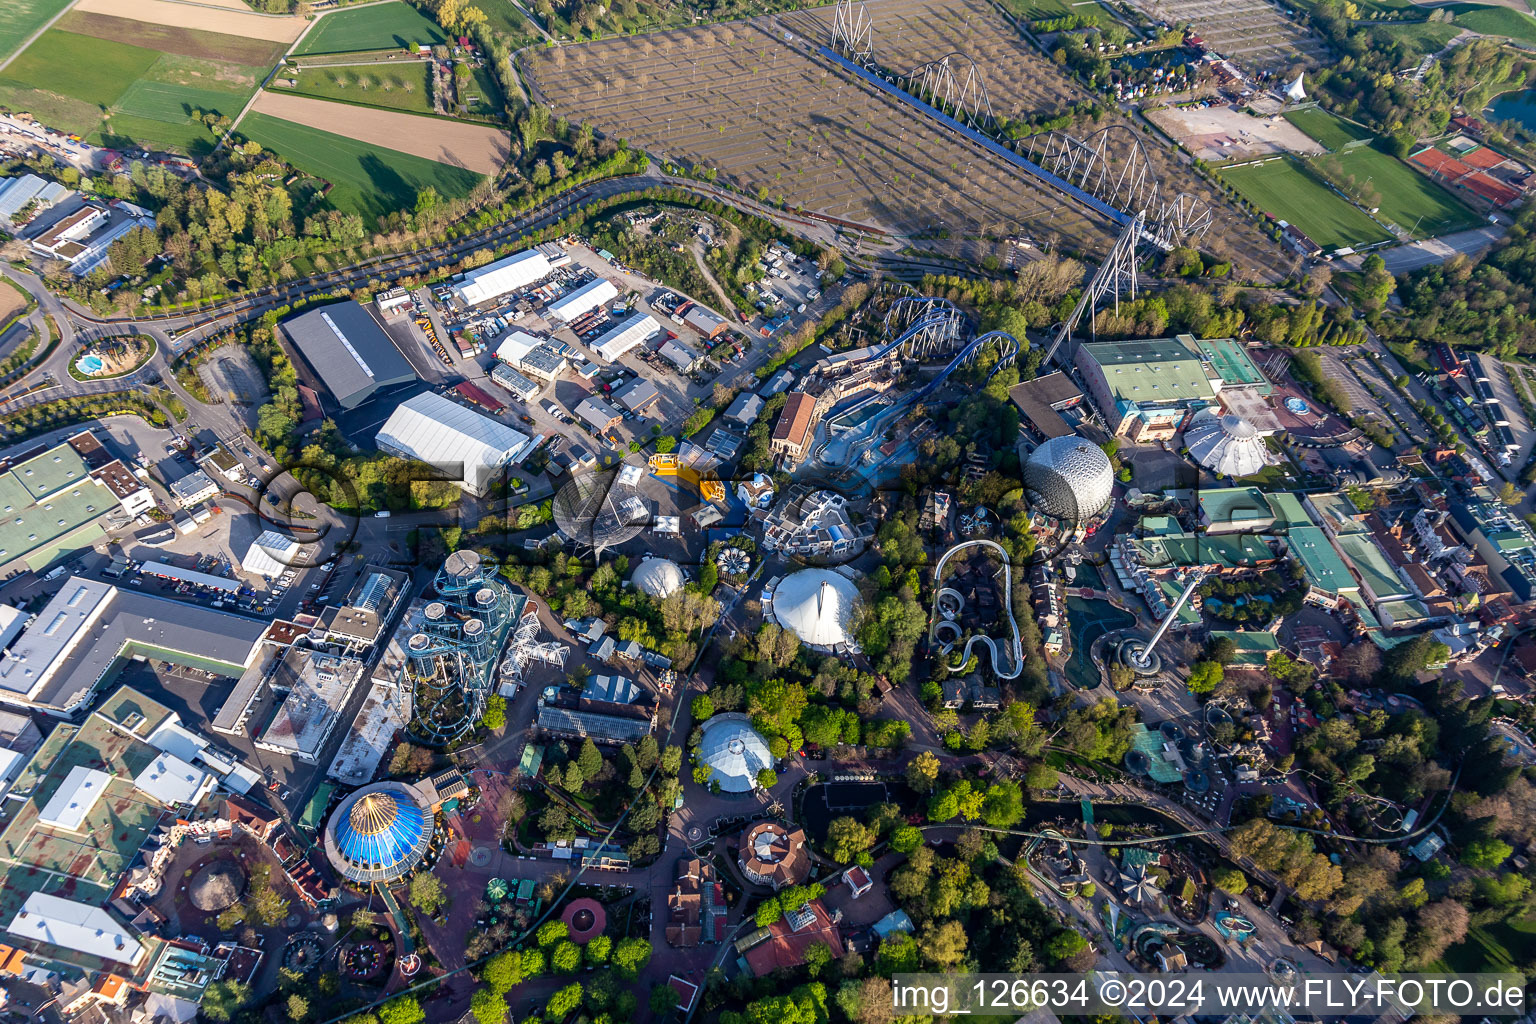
494 280
1147 389
679 355
705 322
638 395
290 701
531 355
636 330
519 385
598 415
90 629
580 301
469 447
193 489
24 198
348 351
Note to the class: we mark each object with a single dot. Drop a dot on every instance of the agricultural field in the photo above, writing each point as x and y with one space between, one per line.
1253 33
712 98
1020 82
366 178
120 82
1407 198
22 18
406 87
239 23
1333 132
477 148
1287 191
379 27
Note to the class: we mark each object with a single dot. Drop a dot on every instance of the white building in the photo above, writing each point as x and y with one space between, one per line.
520 385
494 280
636 330
173 782
25 197
469 447
530 354
193 489
76 926
72 802
270 555
582 300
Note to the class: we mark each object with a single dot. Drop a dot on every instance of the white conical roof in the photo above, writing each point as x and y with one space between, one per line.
1227 445
818 605
1296 91
658 577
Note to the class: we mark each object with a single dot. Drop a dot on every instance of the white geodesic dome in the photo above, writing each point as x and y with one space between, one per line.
734 752
1069 478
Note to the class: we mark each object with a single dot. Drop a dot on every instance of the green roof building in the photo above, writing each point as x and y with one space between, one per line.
1235 509
1254 647
1146 389
1232 364
1324 569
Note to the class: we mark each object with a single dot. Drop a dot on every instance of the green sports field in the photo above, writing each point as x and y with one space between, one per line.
1408 199
365 179
117 94
380 27
1287 191
22 18
1333 132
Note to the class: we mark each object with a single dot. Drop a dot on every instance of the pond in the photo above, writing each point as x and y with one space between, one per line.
836 799
1090 620
1519 106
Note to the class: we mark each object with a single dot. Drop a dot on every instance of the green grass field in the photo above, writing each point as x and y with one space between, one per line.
1496 21
1333 132
174 39
1288 192
22 18
117 94
408 86
93 70
1424 37
368 180
1037 10
1408 199
1486 949
381 27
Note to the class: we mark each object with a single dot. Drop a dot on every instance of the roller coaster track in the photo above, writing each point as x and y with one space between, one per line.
1017 653
875 426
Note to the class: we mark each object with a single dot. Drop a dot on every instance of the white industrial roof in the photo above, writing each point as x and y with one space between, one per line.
77 926
271 554
172 781
202 579
454 439
515 347
12 621
29 661
73 800
625 336
508 275
582 300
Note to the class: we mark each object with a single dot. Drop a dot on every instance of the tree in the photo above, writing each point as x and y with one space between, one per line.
589 759
598 950
502 972
905 839
943 945
223 999
427 893
564 1002
552 932
817 956
702 707
1230 880
923 772
297 1008
488 1007
630 956
1041 776
1486 854
767 778
566 958
495 712
847 838
663 999
1205 676
1064 946
402 1010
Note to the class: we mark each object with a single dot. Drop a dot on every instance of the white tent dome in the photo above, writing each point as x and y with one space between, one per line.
658 577
734 752
818 605
1226 445
1296 91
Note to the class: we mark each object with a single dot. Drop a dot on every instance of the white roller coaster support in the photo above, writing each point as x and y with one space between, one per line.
1115 277
991 645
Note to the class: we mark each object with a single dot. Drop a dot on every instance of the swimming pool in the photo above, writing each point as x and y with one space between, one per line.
89 364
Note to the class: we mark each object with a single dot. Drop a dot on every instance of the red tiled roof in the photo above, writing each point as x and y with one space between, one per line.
785 947
794 423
